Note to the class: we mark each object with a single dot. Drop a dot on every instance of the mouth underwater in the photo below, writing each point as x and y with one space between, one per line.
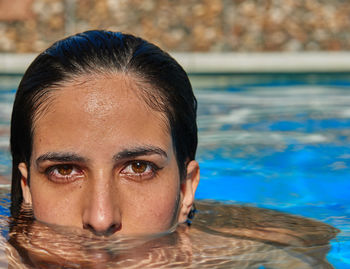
220 234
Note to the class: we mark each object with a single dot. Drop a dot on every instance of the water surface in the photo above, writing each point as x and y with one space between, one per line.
222 236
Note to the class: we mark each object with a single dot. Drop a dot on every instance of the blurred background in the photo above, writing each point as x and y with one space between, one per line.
183 25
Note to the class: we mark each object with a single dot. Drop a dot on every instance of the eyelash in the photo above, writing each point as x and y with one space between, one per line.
55 176
151 170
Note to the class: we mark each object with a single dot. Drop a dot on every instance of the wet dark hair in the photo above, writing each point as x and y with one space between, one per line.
162 81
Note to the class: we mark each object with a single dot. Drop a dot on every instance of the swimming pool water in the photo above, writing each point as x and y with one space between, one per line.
276 142
282 145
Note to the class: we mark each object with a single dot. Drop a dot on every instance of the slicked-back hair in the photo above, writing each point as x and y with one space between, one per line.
163 83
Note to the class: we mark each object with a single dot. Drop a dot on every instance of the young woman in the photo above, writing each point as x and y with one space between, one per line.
104 135
103 139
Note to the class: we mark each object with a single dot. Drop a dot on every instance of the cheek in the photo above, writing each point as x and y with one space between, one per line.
54 205
45 208
163 206
153 206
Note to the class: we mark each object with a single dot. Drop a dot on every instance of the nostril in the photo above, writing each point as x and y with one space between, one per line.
113 228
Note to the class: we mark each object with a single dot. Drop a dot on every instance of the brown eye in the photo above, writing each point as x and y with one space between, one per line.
64 173
65 170
139 170
139 167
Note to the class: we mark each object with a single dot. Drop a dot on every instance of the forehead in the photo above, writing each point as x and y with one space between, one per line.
96 95
99 107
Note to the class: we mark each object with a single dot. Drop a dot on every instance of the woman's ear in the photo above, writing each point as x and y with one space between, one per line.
27 196
188 189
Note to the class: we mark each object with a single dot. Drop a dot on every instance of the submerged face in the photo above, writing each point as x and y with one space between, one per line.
103 160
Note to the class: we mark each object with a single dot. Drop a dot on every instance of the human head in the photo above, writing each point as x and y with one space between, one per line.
161 81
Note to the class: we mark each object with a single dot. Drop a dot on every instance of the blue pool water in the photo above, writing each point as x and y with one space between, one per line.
274 141
281 144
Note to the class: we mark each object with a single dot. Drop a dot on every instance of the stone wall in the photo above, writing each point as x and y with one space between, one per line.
183 25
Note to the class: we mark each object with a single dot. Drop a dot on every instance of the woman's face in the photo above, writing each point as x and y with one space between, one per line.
103 160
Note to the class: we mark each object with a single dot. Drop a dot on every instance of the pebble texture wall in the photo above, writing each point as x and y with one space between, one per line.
183 25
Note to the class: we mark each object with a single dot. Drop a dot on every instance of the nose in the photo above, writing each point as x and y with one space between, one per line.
101 214
109 230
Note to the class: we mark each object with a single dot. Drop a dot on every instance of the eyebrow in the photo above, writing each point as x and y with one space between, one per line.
60 157
124 154
139 151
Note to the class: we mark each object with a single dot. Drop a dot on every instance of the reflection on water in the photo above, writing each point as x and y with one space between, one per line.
221 236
